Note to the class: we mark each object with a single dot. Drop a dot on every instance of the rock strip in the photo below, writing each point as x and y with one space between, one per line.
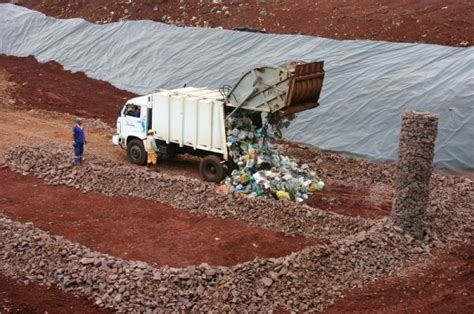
307 280
53 164
449 216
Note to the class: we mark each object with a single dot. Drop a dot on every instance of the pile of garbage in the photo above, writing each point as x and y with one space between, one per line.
261 170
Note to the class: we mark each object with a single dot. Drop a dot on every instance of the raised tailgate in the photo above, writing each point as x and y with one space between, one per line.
304 87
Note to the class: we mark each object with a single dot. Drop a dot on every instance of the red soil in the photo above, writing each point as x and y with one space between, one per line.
445 22
446 286
350 201
16 297
137 229
48 86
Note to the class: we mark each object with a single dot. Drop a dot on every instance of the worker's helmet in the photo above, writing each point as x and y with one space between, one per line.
151 132
78 119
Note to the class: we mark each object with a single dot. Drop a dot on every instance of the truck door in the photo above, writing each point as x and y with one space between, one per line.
135 120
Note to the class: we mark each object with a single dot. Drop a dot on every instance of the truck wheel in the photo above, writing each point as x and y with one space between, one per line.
211 169
136 152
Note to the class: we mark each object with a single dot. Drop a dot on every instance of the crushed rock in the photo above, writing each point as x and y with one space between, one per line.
449 214
54 165
359 251
304 281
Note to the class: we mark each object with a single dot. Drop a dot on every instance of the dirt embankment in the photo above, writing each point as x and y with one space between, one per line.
445 22
48 86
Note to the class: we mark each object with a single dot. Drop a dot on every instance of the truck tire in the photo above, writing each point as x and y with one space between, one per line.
136 152
211 169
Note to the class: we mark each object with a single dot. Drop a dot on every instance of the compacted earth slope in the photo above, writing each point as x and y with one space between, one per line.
444 22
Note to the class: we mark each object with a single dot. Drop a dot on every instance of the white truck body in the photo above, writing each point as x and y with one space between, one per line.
189 116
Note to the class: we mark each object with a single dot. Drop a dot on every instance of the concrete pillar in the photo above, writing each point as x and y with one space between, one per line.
413 171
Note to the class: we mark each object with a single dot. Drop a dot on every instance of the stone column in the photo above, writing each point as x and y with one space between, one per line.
413 171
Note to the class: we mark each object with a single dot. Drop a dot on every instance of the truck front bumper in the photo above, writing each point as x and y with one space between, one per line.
116 139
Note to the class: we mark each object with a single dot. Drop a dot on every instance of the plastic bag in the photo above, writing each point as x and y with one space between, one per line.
262 170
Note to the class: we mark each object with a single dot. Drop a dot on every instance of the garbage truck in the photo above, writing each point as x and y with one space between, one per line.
191 120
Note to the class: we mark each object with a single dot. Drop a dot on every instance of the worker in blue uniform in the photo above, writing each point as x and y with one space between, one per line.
79 138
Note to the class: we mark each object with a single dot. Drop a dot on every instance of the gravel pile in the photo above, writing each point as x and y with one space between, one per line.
54 165
308 280
414 168
89 123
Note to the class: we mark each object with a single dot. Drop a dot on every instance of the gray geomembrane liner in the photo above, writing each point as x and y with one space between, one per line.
367 87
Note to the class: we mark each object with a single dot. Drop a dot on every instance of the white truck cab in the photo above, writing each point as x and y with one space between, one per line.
132 120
